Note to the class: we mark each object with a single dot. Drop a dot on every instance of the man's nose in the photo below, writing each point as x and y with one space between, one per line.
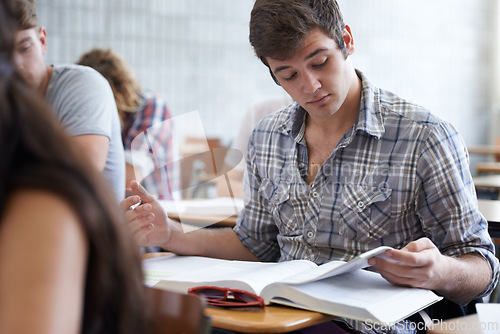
18 62
310 83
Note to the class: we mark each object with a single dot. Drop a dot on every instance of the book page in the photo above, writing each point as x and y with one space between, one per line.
334 268
360 295
247 275
159 268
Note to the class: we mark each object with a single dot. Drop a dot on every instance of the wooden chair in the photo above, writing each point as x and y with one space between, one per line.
201 162
176 313
490 166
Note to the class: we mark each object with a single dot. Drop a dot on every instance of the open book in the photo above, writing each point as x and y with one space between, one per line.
337 287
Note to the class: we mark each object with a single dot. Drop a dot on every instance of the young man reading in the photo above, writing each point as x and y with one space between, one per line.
345 169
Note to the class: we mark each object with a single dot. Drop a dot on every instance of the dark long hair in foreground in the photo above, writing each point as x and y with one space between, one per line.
35 154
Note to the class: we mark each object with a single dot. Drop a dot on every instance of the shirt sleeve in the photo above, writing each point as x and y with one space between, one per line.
85 103
255 226
148 143
447 202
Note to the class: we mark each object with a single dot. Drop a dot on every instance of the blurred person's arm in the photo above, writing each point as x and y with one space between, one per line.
43 260
94 147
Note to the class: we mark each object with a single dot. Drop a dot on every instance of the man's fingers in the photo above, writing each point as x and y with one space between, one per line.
401 281
403 257
139 222
419 245
128 202
141 235
129 192
139 190
142 213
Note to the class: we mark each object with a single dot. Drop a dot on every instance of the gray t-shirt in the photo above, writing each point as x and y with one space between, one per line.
83 102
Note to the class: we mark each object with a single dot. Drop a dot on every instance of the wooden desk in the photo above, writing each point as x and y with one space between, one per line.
488 167
204 220
484 149
487 183
271 319
491 211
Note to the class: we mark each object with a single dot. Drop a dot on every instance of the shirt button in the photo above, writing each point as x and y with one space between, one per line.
310 234
276 196
361 204
315 194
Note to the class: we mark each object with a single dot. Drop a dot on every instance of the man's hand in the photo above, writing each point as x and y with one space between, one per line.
148 222
421 265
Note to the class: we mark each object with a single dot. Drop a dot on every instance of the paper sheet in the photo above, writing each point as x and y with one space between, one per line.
489 317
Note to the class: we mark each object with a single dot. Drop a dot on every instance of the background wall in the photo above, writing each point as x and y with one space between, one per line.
195 53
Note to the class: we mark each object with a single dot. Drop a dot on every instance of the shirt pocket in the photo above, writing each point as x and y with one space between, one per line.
277 195
365 213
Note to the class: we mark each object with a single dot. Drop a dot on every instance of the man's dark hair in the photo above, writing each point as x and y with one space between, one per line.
277 27
26 14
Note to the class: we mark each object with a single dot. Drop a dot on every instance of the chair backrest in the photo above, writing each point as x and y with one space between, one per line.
204 156
177 313
497 143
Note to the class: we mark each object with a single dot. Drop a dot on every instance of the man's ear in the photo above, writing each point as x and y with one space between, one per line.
272 75
42 36
348 40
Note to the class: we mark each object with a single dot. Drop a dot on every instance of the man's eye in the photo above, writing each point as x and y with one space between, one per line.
290 77
321 65
24 47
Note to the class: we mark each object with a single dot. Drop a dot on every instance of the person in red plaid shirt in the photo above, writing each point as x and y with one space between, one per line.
146 125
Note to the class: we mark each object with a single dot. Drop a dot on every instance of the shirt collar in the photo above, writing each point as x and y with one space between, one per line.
295 122
369 118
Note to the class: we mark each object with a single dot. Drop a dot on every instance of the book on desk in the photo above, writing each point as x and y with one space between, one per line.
338 288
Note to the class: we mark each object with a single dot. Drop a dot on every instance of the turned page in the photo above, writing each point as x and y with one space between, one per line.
334 268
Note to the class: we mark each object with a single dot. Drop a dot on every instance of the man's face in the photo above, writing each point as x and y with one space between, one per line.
317 76
30 47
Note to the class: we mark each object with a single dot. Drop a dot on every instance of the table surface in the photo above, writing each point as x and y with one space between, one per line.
490 210
487 181
488 167
270 319
204 220
483 149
